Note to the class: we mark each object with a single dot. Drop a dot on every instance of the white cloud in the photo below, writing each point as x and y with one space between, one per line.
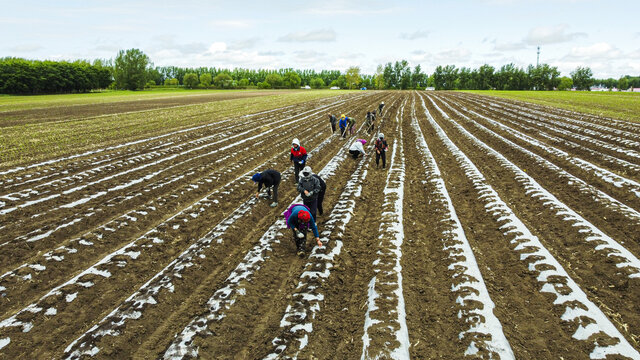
270 53
420 34
244 44
452 56
217 47
596 51
551 35
322 35
26 48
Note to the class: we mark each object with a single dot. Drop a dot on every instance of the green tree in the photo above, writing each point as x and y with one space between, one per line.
274 80
317 83
190 80
243 83
566 83
582 78
130 69
353 77
206 79
223 80
171 82
379 77
291 80
623 83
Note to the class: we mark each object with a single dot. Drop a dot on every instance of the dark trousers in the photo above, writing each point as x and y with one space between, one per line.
343 131
383 155
333 127
300 242
312 204
320 200
275 192
297 167
354 153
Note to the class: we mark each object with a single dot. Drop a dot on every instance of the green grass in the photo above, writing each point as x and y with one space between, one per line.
27 143
25 102
617 105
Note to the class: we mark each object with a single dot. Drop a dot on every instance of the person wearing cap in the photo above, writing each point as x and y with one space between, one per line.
357 147
333 121
380 108
298 157
309 188
343 125
270 179
299 221
381 150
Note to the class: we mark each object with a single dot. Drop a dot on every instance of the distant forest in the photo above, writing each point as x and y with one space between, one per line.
133 70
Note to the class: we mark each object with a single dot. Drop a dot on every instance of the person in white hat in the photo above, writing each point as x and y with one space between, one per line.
298 157
381 150
309 188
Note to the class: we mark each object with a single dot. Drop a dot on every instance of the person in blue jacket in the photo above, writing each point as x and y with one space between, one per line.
299 221
343 125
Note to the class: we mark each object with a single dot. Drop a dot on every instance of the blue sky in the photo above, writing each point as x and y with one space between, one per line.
603 35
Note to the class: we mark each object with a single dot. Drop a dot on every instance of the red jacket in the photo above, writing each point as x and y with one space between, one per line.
299 155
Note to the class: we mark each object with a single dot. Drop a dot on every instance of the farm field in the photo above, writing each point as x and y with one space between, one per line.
499 229
617 105
30 135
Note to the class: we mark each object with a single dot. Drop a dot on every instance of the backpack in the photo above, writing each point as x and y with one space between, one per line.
287 213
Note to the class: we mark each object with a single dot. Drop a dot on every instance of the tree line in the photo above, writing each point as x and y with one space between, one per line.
20 76
132 69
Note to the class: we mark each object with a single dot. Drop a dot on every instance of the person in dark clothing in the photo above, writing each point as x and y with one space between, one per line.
380 108
333 120
369 122
271 180
309 188
381 150
299 220
298 158
323 189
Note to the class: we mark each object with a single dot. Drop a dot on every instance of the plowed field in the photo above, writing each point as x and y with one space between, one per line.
498 229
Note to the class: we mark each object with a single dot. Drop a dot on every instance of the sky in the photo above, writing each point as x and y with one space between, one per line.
331 35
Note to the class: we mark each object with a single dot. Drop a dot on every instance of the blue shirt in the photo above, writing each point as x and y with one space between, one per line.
293 221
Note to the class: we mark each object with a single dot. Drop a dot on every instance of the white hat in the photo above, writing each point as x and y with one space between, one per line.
381 136
305 172
296 142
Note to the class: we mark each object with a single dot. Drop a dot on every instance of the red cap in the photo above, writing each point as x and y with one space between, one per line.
304 216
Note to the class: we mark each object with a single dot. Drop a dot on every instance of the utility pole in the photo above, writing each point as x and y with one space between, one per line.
538 58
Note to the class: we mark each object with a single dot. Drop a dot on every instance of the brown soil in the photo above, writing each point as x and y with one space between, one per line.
188 190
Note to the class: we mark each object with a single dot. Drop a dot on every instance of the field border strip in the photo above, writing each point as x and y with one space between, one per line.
536 192
390 254
568 293
480 319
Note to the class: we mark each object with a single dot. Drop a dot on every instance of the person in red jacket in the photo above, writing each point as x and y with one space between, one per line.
298 158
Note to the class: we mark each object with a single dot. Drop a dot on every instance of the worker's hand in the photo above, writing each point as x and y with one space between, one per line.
318 242
257 195
306 193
